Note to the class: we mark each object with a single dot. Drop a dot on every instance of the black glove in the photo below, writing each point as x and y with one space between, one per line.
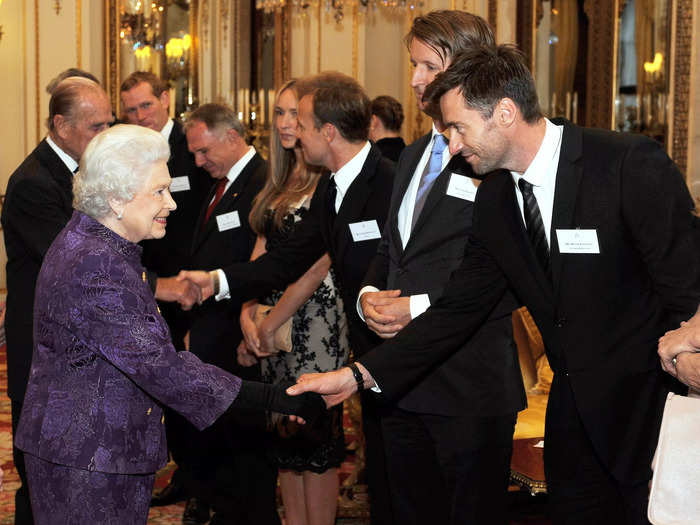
262 396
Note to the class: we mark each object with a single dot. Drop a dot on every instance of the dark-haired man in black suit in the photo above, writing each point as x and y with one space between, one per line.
449 441
347 213
592 230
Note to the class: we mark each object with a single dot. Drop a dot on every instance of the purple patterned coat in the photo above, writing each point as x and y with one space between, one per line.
103 363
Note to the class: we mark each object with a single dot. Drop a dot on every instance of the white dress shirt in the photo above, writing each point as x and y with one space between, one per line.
346 175
167 129
418 303
343 178
67 159
542 174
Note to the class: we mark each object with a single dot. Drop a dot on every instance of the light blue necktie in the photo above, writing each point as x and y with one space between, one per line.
430 173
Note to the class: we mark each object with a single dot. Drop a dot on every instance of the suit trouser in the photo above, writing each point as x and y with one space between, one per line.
23 508
375 469
448 469
581 490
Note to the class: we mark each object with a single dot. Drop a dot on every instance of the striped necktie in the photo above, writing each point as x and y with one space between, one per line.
534 224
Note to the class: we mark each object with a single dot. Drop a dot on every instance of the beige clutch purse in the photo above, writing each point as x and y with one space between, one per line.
674 497
283 335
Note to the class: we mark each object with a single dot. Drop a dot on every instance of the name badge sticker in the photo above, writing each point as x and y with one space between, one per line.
180 184
364 231
462 187
578 241
228 221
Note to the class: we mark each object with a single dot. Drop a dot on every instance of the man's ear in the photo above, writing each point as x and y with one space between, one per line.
506 112
165 98
329 132
60 126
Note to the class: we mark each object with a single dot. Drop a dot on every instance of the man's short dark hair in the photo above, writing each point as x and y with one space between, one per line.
484 76
450 33
389 111
137 77
339 100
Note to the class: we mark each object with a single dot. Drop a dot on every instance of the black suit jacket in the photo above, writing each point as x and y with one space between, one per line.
169 255
38 204
215 330
601 314
484 375
391 147
366 199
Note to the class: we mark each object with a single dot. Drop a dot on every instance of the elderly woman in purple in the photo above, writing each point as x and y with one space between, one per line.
103 364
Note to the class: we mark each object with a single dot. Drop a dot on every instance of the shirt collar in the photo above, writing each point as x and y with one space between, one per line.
67 159
237 168
167 129
536 172
345 176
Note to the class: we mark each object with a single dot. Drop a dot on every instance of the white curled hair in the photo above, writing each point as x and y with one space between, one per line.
113 166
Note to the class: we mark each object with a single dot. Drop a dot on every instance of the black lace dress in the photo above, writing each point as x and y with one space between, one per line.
319 344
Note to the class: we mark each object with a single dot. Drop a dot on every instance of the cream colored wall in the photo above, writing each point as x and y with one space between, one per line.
693 170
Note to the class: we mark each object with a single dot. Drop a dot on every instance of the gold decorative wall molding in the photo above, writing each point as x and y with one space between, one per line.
205 22
602 57
224 12
112 51
219 59
493 14
37 91
79 32
318 51
355 40
682 36
525 28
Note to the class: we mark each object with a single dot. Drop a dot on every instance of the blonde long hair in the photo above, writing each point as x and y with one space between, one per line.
277 188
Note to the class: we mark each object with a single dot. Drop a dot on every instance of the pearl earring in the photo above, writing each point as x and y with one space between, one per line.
119 216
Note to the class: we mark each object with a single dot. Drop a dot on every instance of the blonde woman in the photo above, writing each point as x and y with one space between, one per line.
308 465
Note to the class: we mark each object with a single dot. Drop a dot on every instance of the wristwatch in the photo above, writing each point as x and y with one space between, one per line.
358 376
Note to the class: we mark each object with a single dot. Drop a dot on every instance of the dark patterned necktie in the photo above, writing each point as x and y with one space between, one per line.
331 194
534 224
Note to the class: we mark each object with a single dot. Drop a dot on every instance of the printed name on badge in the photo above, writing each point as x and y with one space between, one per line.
365 230
462 187
578 241
228 221
180 184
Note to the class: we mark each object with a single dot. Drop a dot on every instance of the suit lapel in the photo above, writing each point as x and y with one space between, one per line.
226 204
354 202
415 152
57 169
458 165
513 216
569 173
